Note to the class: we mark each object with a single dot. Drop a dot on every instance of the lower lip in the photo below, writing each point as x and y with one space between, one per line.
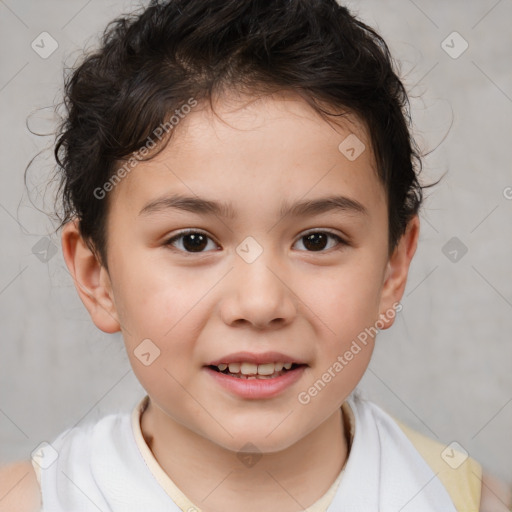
257 388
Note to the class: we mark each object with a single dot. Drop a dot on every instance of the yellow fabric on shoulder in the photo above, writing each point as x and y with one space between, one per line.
463 483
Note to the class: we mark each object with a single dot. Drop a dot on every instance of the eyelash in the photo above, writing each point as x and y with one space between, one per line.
181 234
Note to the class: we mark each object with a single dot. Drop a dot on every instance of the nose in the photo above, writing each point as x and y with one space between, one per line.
259 294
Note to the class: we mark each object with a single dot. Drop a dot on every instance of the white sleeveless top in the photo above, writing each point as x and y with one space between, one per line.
108 467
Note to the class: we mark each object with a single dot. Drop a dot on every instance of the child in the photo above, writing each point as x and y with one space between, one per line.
241 198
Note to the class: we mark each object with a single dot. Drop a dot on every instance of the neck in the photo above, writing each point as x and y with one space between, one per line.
211 476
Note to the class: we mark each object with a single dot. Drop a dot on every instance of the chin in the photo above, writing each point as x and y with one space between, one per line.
254 440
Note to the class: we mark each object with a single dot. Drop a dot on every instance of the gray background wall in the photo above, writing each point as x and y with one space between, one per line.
444 367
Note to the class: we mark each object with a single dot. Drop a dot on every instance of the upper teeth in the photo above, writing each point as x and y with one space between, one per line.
253 369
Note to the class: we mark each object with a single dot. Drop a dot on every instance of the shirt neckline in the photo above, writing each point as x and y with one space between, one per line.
181 500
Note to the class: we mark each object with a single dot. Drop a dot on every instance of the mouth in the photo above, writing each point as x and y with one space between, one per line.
251 371
253 381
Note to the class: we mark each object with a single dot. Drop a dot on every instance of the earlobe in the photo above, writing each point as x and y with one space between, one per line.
91 279
397 269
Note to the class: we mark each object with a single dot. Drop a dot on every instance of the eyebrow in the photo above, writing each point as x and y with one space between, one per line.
204 206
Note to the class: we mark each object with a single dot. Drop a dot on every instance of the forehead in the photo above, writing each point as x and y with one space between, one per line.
250 153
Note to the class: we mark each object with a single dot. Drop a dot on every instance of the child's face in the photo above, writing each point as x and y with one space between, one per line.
199 307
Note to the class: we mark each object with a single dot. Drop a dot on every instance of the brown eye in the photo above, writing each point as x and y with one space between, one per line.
317 240
191 241
196 242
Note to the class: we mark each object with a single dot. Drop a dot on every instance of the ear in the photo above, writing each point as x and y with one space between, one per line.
91 279
397 269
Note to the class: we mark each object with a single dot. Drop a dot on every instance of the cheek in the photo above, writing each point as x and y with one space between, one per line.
345 300
163 305
150 300
159 316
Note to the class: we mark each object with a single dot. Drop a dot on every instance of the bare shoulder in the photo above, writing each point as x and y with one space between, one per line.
496 496
19 488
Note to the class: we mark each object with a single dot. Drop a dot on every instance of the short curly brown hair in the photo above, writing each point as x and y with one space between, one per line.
151 62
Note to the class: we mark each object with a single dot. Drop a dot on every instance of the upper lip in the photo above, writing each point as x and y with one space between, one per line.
251 357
